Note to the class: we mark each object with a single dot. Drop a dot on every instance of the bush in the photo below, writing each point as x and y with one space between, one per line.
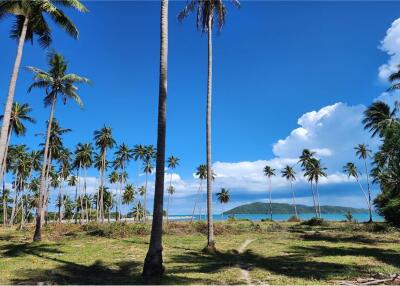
315 221
293 219
376 227
117 229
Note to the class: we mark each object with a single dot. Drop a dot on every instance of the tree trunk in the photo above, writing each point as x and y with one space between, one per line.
84 191
294 201
47 188
38 229
313 197
319 205
145 199
11 92
101 206
195 201
270 197
169 196
369 192
210 235
153 264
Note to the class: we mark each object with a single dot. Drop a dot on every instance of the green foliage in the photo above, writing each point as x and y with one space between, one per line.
315 221
293 218
349 216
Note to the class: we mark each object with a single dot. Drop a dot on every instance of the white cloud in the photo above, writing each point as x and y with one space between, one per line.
391 45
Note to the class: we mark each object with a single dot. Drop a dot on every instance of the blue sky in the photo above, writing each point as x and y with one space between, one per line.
274 62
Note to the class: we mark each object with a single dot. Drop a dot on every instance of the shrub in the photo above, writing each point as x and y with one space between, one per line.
293 219
315 221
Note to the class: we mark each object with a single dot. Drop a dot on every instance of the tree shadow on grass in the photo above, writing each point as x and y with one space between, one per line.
23 249
336 238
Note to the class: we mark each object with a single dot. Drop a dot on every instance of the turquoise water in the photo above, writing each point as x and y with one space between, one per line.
361 217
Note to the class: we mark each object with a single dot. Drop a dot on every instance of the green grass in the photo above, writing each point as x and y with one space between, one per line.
284 253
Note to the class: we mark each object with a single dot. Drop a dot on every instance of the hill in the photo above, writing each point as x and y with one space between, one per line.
279 208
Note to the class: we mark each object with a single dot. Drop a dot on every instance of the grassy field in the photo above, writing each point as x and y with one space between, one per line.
276 253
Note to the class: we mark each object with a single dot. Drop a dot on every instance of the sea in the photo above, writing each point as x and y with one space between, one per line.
359 217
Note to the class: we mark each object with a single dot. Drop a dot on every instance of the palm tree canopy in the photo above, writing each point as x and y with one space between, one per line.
362 151
103 138
269 171
378 117
19 114
129 194
171 190
206 10
122 156
314 170
36 11
113 177
288 173
56 81
72 181
173 162
84 155
305 157
201 172
351 170
224 196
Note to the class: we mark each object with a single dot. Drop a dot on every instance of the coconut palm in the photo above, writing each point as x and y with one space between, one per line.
104 141
314 171
351 170
363 153
138 211
172 163
73 182
223 197
30 21
201 173
5 197
378 117
129 194
123 156
207 12
149 155
153 262
289 174
19 114
56 83
113 178
305 157
64 159
84 159
269 172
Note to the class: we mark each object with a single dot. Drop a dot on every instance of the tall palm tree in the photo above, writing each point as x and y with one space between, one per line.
128 195
364 153
56 83
73 182
138 211
314 171
113 179
289 174
172 163
201 173
104 141
223 197
351 170
63 173
305 161
206 12
378 117
123 156
269 172
84 158
19 114
5 196
30 21
149 155
153 266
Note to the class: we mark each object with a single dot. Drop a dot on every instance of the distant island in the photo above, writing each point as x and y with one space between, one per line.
280 208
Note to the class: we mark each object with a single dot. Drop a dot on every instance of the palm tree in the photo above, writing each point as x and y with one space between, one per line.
123 156
363 153
149 155
201 173
113 178
305 161
138 211
31 21
289 174
84 158
73 182
314 171
269 172
104 141
172 163
56 83
351 170
378 117
206 12
153 266
5 196
223 197
128 195
64 159
19 114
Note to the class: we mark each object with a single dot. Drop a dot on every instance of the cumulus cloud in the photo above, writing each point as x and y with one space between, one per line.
391 45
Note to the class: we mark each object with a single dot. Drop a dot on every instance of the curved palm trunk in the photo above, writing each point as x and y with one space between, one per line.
369 192
153 264
38 229
293 200
11 92
210 236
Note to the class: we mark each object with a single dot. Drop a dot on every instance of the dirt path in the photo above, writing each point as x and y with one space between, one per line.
244 268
